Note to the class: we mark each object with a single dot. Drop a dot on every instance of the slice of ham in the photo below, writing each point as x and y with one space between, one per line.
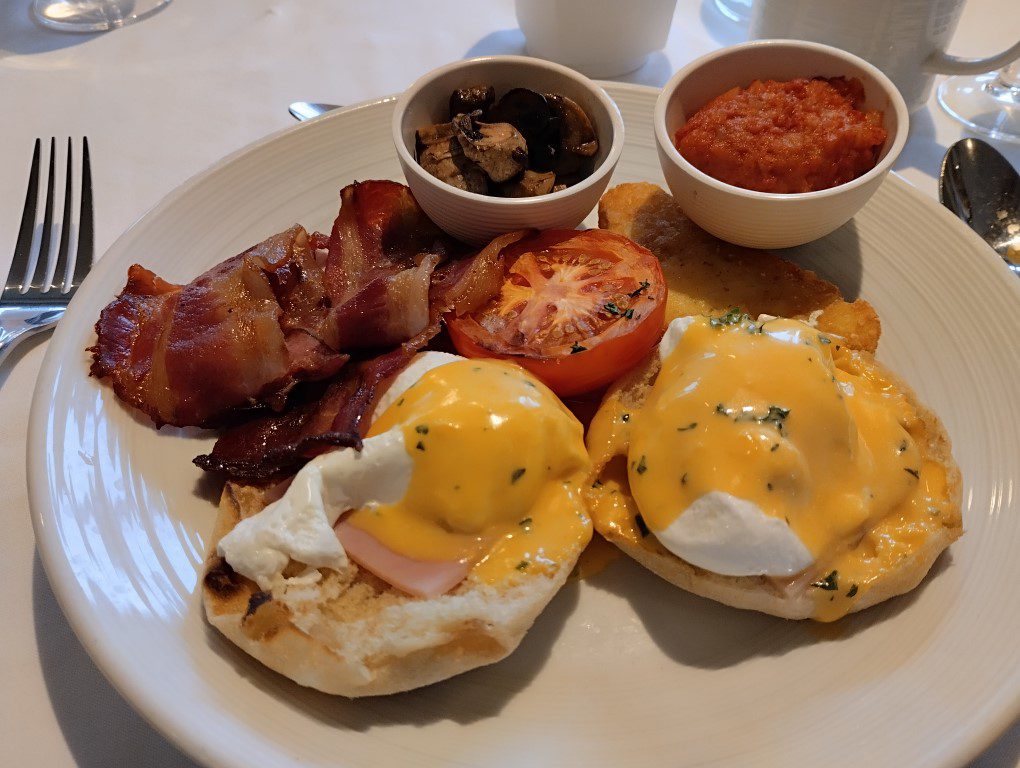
419 578
245 332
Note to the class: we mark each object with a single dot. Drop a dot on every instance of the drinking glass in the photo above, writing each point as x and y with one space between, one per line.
92 15
735 10
988 103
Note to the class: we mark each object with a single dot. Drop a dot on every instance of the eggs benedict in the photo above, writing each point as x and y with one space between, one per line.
768 465
429 552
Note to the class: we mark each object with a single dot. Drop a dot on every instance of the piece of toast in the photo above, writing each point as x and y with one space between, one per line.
352 634
707 276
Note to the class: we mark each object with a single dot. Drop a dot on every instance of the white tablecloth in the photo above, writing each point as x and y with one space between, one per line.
162 100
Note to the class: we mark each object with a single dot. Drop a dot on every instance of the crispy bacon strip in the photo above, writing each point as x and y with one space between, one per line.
382 251
279 443
463 285
275 444
246 331
240 333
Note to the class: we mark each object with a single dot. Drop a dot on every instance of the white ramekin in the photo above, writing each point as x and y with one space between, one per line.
475 218
764 219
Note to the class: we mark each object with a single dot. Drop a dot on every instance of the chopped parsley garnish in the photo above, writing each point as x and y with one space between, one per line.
642 528
629 314
611 308
769 486
624 417
776 415
641 467
824 339
644 286
774 448
422 429
577 348
522 565
829 583
400 402
852 591
476 368
692 425
683 479
525 523
903 447
517 474
597 484
914 472
733 317
420 446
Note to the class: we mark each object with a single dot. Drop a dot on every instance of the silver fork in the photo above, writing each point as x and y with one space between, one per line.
32 302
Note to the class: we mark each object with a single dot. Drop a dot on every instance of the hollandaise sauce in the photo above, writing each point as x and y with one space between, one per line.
786 418
498 467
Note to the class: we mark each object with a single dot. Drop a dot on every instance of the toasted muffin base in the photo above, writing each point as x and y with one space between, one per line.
352 634
792 600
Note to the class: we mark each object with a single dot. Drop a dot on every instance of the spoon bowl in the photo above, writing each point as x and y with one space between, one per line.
980 186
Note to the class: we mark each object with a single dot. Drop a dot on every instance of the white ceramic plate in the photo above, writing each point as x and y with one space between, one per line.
620 670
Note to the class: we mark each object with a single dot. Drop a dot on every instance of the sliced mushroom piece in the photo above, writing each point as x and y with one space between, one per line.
526 110
440 154
528 184
430 134
475 97
544 148
498 148
577 134
446 161
578 140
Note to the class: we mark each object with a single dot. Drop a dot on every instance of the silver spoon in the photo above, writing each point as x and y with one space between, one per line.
306 110
981 187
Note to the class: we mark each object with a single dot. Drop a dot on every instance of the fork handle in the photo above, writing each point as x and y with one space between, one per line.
18 323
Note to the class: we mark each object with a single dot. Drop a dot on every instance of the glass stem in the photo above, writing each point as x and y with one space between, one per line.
1009 76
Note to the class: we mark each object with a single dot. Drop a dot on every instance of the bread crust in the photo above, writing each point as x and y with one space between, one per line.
707 276
353 635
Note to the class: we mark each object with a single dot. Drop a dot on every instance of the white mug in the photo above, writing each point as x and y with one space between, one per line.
906 39
599 38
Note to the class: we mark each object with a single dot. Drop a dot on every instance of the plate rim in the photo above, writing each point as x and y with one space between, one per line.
63 582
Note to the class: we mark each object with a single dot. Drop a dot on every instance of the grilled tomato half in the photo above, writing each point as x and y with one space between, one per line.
576 308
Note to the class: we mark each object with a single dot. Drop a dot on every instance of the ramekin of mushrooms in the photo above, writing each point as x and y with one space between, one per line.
500 143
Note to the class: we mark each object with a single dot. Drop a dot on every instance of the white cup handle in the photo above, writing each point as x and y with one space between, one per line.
945 64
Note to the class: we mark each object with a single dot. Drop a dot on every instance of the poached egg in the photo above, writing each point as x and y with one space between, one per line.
469 466
767 448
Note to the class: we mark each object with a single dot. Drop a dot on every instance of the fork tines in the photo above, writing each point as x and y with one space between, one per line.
36 271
